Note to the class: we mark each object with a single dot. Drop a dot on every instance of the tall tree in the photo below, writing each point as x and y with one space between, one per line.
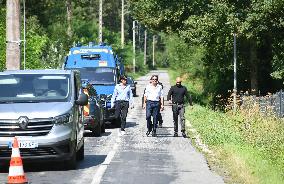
211 23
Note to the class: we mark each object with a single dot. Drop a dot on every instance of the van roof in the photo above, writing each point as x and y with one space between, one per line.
46 71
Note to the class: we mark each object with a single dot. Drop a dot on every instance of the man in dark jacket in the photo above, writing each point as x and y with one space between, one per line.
176 96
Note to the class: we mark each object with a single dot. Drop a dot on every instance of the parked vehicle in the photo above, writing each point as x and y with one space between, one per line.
44 109
93 111
101 68
132 84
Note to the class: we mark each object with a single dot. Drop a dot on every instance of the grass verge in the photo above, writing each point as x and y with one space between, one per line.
246 147
242 147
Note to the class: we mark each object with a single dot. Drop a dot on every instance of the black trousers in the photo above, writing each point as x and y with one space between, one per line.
121 110
178 113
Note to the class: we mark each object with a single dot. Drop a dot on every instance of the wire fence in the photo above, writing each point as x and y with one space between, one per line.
270 104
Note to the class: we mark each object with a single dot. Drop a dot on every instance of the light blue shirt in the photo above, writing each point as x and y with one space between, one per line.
122 92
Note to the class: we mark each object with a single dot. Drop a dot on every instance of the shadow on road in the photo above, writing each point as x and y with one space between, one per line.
130 124
89 134
89 161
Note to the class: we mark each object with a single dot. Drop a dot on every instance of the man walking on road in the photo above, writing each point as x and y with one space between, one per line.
176 97
152 98
121 99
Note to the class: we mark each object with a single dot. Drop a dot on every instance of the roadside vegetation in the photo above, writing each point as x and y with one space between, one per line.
195 41
246 146
249 145
49 38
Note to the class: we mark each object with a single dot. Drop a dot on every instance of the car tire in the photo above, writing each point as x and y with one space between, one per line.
97 131
103 128
71 163
102 122
80 153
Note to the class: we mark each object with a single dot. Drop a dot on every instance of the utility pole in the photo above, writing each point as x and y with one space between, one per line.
24 6
101 22
13 35
153 63
235 73
145 47
134 53
122 24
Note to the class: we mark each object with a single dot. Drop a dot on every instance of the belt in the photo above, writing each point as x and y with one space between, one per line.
122 101
176 103
152 101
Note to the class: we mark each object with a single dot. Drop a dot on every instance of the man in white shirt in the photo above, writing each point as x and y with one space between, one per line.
153 97
121 99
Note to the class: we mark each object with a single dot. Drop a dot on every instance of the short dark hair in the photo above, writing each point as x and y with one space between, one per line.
154 76
123 77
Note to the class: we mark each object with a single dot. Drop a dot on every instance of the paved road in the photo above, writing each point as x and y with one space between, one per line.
133 157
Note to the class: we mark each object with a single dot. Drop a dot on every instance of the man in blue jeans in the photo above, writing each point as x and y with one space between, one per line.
153 102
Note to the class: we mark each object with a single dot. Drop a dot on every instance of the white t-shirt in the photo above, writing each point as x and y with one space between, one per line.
154 93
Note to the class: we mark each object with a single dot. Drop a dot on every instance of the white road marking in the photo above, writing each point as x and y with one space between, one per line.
99 174
101 170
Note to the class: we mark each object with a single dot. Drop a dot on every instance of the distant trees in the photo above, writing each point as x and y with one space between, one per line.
55 26
210 24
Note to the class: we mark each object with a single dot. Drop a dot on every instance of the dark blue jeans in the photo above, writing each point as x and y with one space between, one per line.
152 109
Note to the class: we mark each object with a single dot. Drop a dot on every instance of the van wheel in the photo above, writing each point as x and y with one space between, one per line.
102 122
72 162
97 131
103 128
117 123
80 153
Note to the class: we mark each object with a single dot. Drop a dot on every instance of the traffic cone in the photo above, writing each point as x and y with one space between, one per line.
16 170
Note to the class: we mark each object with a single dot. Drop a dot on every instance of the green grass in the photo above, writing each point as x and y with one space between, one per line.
247 147
250 153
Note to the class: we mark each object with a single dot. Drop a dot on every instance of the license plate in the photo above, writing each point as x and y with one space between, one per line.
25 144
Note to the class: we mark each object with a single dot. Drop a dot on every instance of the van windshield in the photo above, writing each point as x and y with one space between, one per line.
99 76
29 88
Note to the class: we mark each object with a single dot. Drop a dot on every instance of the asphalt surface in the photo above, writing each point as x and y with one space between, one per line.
133 157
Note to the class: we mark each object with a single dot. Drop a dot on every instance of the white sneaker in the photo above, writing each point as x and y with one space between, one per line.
122 132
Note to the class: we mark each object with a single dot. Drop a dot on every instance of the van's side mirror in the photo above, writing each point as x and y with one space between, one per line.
82 99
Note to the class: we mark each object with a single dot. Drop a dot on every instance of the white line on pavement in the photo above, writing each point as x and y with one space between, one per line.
99 174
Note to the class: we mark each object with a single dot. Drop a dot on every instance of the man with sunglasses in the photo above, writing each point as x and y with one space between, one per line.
121 99
176 97
153 102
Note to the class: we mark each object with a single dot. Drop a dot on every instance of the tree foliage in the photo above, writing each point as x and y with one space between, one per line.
47 37
211 24
2 38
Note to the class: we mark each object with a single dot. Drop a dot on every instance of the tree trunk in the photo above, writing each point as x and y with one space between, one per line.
69 18
13 33
253 68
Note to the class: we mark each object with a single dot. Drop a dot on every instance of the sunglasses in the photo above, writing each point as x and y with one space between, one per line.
155 79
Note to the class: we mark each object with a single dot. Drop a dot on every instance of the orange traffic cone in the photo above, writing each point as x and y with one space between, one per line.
16 170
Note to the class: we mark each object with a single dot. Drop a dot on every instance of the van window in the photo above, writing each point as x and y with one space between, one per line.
99 75
34 88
